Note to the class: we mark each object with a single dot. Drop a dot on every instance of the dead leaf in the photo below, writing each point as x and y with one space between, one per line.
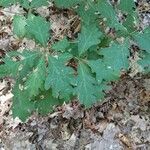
102 126
125 140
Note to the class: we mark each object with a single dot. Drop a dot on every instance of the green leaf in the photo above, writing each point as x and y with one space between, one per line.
103 72
66 3
6 3
108 12
22 107
144 62
38 28
59 77
65 57
143 39
86 87
39 3
19 24
44 102
36 79
30 58
87 14
3 71
116 56
61 45
88 38
92 53
130 22
25 3
127 6
20 68
33 4
10 68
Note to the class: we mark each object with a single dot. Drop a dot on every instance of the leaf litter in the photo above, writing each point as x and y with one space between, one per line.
120 122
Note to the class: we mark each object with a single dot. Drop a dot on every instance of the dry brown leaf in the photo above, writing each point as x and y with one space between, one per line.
125 140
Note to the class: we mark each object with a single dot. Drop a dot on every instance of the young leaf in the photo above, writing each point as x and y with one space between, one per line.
10 68
130 22
66 3
87 15
39 3
3 71
19 24
88 38
143 39
6 3
22 106
144 62
36 79
59 77
38 28
65 57
61 45
30 58
25 3
86 86
107 11
127 6
44 102
103 72
19 69
116 56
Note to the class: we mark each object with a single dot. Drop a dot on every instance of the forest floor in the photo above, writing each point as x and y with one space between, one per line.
120 122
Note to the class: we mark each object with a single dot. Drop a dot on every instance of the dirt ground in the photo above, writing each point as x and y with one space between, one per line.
120 122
